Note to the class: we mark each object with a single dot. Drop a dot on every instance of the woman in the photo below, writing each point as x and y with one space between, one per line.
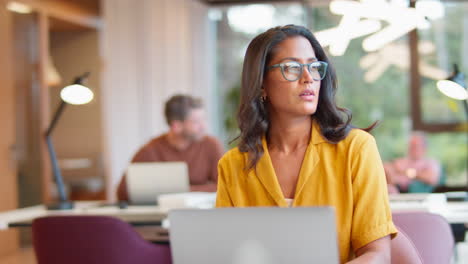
297 148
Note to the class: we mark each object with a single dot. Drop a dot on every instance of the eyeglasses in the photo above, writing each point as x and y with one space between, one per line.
292 70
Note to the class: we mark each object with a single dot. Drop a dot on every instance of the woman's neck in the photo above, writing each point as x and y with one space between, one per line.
289 135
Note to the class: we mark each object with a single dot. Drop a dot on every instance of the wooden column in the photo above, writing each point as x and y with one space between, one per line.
8 181
44 104
415 78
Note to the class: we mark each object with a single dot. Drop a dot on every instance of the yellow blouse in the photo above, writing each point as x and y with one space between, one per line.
348 176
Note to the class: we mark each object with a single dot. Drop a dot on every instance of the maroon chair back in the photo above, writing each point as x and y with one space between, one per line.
403 250
93 240
430 233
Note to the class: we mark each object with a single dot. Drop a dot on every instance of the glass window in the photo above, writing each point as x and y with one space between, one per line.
441 46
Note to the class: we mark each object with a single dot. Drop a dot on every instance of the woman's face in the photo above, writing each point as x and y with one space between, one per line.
296 98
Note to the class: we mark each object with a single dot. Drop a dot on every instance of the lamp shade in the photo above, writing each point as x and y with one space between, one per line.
454 86
76 94
452 89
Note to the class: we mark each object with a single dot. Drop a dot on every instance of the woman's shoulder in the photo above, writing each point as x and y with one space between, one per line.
233 155
358 137
232 164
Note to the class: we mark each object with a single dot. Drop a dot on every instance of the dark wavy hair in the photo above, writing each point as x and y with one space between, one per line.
252 117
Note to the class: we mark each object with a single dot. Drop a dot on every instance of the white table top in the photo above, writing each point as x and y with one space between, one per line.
132 214
454 212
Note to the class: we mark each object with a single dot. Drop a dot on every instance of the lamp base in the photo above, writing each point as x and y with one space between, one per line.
62 205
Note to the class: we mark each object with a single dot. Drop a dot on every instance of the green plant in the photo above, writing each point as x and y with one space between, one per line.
231 100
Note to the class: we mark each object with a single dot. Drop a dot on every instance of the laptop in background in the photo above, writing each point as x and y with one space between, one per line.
254 235
147 180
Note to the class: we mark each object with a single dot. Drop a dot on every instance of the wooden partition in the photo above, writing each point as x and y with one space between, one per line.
25 107
48 16
8 189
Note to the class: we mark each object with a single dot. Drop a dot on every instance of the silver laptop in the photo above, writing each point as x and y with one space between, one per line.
147 180
255 235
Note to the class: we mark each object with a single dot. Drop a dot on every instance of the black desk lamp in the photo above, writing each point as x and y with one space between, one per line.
76 94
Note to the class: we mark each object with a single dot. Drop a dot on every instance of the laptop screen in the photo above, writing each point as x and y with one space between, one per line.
254 235
147 180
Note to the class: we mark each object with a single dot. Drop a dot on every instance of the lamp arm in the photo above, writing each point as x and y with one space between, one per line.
56 170
53 157
63 203
465 104
56 117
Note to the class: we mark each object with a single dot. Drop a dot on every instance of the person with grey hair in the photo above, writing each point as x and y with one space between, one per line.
416 172
185 141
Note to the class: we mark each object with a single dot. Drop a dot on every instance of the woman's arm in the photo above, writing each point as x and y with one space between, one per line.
429 172
372 223
395 171
377 251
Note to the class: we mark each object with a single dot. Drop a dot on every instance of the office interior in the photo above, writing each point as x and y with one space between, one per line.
139 53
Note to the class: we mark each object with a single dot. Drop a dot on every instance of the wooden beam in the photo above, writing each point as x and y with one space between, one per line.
44 105
415 78
66 11
224 3
442 127
8 179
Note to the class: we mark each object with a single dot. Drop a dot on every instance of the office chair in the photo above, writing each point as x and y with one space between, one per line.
430 233
93 240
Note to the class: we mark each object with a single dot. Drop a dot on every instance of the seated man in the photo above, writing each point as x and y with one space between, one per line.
416 172
185 141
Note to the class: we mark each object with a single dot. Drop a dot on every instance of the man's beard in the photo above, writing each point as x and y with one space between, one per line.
192 136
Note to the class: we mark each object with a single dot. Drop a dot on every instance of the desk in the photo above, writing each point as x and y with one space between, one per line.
454 212
135 215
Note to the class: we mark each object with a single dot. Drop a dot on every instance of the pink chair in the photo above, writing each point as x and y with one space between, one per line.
430 233
93 240
392 189
403 250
